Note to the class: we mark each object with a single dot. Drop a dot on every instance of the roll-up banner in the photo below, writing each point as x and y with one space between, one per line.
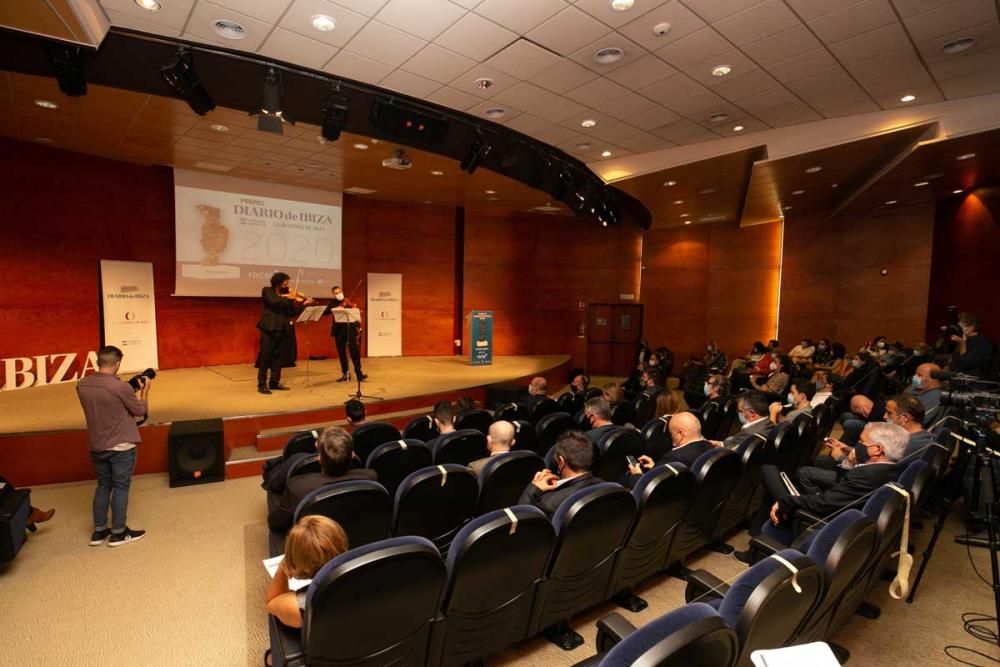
385 314
130 313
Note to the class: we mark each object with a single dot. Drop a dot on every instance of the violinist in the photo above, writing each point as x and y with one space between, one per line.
346 335
277 335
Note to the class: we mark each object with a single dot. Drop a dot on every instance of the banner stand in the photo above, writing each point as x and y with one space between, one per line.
129 313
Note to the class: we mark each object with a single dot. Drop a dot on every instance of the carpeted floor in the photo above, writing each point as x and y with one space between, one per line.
192 592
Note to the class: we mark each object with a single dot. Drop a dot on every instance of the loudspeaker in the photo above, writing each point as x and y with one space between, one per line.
195 452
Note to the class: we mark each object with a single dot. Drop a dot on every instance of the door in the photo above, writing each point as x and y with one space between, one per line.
614 332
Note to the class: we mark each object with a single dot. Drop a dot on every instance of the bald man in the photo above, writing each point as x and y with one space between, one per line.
927 390
689 445
499 441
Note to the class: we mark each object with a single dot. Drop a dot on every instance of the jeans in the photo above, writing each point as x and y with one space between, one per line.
114 476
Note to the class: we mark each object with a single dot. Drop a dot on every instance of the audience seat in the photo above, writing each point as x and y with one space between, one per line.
622 413
525 437
809 443
643 409
302 464
656 435
591 527
461 447
729 420
363 508
372 434
303 442
592 392
372 605
511 412
610 464
393 461
717 472
495 565
435 502
542 408
551 427
421 428
748 491
569 402
711 415
787 450
823 418
477 420
504 478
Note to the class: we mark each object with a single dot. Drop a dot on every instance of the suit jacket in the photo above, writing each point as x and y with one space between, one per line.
276 310
281 507
595 434
686 455
478 465
855 484
762 428
549 501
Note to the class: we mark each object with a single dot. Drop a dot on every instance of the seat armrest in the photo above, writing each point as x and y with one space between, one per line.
286 644
702 584
809 519
612 629
763 544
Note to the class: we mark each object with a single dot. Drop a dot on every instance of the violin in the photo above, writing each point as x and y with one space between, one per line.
296 295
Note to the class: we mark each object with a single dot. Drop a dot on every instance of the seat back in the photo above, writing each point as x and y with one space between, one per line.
393 461
614 446
303 442
729 419
643 408
511 412
656 435
421 428
591 527
494 566
809 443
747 492
461 447
477 420
435 502
504 478
363 509
823 418
711 415
550 427
918 478
717 472
542 408
694 634
787 452
569 402
525 437
303 464
400 581
622 412
368 436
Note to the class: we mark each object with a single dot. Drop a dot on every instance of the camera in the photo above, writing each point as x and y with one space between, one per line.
977 400
136 381
950 328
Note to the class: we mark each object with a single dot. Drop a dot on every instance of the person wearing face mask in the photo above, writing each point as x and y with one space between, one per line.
800 393
688 446
878 348
777 379
802 354
824 388
823 355
907 412
597 412
714 387
714 359
573 457
974 350
926 389
752 412
346 335
863 377
277 333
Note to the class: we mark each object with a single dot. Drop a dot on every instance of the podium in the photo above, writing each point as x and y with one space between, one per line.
481 337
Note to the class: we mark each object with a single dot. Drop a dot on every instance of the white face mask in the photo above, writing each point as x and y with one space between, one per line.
774 366
880 344
856 363
791 399
707 388
339 296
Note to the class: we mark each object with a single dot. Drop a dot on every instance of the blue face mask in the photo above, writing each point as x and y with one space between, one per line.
917 382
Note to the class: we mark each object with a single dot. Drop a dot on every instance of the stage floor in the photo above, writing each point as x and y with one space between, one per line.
231 391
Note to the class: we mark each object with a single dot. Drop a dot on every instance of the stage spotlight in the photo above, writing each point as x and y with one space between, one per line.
270 115
334 114
68 65
563 185
477 153
183 80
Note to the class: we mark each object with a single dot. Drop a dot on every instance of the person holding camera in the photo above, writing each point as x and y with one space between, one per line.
973 351
113 409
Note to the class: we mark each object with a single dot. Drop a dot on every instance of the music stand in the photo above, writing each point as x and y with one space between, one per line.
310 314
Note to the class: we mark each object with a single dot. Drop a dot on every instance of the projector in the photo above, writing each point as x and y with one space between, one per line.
399 160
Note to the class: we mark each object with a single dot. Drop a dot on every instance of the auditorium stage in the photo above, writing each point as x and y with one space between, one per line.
42 429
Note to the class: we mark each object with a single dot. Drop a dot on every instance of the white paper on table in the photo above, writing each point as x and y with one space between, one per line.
816 654
271 565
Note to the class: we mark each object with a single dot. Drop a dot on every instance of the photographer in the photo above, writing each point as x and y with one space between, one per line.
973 353
112 409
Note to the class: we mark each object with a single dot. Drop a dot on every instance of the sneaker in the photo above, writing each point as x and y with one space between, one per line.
125 537
97 539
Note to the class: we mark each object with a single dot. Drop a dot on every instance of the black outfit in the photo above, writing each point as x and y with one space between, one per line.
281 507
595 434
685 455
976 360
549 501
277 335
347 336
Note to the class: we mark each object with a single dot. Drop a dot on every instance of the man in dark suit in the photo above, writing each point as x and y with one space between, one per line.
574 456
597 411
277 336
346 335
336 453
689 445
537 390
753 415
652 382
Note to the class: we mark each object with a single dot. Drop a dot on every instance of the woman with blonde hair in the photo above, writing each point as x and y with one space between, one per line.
667 403
612 392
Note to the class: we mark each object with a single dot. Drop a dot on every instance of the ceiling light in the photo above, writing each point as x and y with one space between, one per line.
583 146
360 146
219 127
958 45
493 199
954 192
484 83
738 128
661 29
437 172
46 104
490 192
966 156
148 5
622 5
479 150
920 184
270 115
788 208
605 153
687 222
718 117
323 23
798 192
494 113
229 29
588 122
669 184
334 112
685 215
184 82
608 55
707 191
721 70
891 202
678 202
834 185
814 170
907 98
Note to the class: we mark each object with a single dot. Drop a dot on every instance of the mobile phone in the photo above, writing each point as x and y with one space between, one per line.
632 461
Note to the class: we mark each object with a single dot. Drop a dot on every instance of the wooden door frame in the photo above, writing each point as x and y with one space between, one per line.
642 313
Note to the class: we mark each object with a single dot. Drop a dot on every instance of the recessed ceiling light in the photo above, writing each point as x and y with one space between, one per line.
361 147
608 55
218 127
798 192
323 23
907 98
669 184
721 70
661 29
495 112
493 199
834 185
685 215
891 202
148 5
229 29
814 170
687 222
954 192
374 141
718 117
678 202
605 153
788 208
588 122
46 104
966 156
622 5
437 172
490 192
920 184
46 140
707 191
583 146
738 128
958 45
484 83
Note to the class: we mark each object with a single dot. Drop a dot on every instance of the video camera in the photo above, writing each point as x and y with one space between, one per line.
136 381
981 401
944 343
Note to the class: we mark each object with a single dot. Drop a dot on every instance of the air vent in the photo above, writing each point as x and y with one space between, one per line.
229 29
608 55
